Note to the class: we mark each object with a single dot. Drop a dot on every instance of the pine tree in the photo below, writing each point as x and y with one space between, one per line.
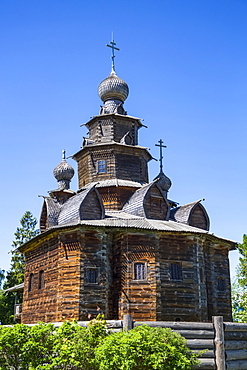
15 275
24 233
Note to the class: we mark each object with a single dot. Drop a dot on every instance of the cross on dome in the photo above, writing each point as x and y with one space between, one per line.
113 47
161 154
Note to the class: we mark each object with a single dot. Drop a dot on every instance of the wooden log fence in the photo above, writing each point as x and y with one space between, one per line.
224 343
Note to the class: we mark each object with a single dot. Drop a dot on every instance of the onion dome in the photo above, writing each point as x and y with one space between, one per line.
63 173
113 88
163 181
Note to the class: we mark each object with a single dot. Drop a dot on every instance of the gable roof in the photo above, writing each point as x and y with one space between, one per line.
183 213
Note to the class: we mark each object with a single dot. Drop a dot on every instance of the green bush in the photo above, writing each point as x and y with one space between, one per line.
145 348
71 347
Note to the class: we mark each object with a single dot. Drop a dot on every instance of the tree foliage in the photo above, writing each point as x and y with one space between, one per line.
239 286
25 232
242 267
15 275
71 347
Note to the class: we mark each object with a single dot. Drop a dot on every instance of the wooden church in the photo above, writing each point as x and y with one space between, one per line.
119 244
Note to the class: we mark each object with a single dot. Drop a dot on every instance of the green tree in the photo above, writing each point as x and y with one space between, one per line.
239 286
25 232
15 275
2 276
242 267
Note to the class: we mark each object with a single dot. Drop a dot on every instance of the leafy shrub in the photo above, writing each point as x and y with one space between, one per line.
71 347
145 348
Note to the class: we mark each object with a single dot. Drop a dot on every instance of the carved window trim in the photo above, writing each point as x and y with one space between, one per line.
139 271
176 271
101 166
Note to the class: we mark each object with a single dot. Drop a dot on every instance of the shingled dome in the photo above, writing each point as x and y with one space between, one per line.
113 87
63 173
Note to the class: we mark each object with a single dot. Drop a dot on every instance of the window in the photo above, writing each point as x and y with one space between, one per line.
92 276
41 280
140 272
221 285
101 166
176 272
30 283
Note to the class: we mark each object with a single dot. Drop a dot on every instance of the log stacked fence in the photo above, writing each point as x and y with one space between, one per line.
224 343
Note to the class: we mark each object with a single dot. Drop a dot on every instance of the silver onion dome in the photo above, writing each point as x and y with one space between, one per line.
113 88
63 173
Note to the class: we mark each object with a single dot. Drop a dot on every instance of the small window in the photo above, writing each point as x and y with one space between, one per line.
101 166
92 276
221 285
41 280
140 271
176 271
30 283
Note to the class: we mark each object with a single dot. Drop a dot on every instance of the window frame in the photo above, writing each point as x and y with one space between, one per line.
41 279
176 271
101 164
97 275
30 282
221 284
144 271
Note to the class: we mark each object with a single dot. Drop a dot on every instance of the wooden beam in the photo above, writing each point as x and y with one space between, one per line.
219 343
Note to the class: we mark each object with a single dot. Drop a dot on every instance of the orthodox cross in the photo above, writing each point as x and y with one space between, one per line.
161 156
113 47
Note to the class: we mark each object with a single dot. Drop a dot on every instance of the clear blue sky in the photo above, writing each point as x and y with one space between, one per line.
185 64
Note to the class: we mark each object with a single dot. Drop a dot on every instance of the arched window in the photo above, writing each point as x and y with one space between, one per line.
41 279
30 283
140 271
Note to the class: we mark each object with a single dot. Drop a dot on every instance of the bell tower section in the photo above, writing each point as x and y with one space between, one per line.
110 155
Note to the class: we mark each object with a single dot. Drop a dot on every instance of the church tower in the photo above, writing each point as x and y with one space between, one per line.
111 155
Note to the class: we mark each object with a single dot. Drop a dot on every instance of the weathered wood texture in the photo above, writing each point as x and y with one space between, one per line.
91 208
219 342
114 197
235 335
124 162
41 304
155 205
198 218
112 128
109 256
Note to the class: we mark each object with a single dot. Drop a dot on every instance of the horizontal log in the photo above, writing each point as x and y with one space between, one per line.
238 335
177 325
234 326
235 344
200 343
236 365
114 323
202 334
208 354
206 364
240 354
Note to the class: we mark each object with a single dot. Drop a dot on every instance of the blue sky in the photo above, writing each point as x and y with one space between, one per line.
185 64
